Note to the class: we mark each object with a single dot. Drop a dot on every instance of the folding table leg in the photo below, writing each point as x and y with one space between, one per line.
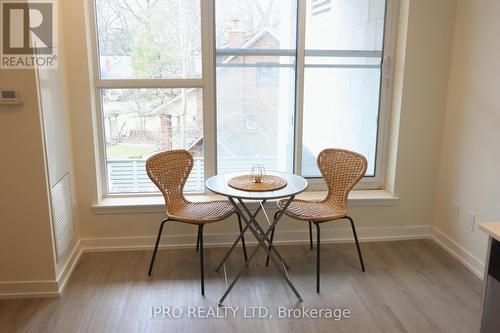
261 238
271 227
236 242
243 245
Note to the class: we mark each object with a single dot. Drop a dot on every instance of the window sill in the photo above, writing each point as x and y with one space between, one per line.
154 204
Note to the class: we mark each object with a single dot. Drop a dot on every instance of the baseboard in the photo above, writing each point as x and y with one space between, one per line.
28 289
39 289
69 267
295 237
475 265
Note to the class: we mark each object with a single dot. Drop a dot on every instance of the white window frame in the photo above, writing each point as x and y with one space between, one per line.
208 85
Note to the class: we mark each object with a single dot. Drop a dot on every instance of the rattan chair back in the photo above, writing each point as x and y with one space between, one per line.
169 171
341 169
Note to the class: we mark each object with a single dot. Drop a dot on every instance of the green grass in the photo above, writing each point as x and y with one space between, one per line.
130 151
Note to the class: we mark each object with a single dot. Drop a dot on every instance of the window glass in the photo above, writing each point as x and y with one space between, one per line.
141 122
342 78
142 39
255 75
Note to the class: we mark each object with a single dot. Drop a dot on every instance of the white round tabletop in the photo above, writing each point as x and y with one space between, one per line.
219 184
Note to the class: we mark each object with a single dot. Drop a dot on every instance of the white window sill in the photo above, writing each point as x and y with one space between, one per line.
154 204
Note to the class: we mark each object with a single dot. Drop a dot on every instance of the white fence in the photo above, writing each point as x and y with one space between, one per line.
125 176
130 176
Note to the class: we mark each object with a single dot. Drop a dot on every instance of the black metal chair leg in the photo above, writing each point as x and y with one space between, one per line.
271 238
317 256
357 243
310 236
198 242
242 238
202 264
156 246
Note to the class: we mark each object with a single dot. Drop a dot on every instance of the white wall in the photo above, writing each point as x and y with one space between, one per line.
25 232
469 172
29 165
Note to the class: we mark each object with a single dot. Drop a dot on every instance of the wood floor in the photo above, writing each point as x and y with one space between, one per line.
408 286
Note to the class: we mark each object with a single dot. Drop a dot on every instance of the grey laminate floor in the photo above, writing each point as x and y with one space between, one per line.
409 286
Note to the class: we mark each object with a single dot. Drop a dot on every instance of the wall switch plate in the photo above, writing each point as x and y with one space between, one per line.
470 221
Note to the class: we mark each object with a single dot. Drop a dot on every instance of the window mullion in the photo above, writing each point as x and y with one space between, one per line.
150 83
208 65
299 84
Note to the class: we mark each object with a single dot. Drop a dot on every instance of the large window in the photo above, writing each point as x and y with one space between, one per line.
239 82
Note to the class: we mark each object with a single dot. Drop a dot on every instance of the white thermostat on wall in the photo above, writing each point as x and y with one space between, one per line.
10 96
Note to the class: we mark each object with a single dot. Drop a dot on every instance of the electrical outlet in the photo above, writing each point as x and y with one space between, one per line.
470 221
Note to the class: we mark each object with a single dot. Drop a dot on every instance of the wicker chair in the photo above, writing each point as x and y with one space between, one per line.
341 170
169 171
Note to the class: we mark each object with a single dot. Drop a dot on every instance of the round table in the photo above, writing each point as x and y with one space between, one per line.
295 185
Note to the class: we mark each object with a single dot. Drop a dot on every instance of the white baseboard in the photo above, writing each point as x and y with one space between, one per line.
474 264
69 267
38 289
28 289
296 237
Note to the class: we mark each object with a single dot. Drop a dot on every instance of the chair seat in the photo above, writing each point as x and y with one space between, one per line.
307 210
201 212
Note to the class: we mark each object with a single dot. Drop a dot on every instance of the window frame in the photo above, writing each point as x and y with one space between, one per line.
207 83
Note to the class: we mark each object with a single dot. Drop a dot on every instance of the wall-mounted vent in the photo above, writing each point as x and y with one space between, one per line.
63 214
319 7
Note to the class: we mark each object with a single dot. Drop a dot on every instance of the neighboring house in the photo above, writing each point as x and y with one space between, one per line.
248 98
247 101
181 121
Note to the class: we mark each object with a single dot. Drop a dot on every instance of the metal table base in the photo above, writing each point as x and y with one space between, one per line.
263 242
